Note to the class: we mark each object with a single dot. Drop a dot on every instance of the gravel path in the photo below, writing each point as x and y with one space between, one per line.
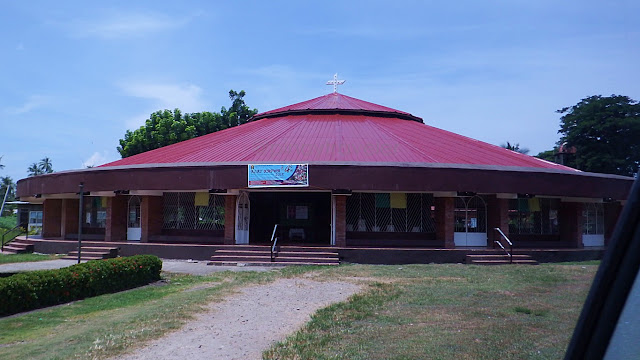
247 323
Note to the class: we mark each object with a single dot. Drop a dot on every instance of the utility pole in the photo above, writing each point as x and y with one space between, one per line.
80 221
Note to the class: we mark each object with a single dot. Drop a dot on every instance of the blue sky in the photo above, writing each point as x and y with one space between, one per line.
75 75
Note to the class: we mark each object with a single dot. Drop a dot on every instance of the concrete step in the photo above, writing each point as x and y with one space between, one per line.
499 259
279 258
261 255
503 262
266 263
18 247
93 253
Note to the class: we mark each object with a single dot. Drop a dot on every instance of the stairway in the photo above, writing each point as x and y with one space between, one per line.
499 259
248 255
18 247
93 253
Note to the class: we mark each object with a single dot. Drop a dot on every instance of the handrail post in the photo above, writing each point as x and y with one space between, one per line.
274 240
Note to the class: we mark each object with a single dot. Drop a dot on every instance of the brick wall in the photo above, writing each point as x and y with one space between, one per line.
70 217
151 217
116 227
445 220
570 219
230 219
341 220
52 218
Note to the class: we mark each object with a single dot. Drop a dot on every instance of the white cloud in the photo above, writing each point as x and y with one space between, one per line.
97 158
125 25
186 97
33 102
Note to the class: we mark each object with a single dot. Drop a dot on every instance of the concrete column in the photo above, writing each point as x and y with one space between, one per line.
230 219
445 220
69 221
341 220
497 217
571 222
612 211
52 218
151 217
116 227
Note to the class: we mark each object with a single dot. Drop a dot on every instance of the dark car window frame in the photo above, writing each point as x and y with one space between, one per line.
612 285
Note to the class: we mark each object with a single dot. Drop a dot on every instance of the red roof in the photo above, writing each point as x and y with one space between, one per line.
343 137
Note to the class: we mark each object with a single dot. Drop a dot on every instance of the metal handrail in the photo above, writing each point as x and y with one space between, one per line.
510 252
274 240
22 230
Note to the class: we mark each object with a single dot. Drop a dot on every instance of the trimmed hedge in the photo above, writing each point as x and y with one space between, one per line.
37 289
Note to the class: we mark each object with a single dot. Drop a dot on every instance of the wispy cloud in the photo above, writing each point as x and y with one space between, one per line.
97 158
125 25
186 97
32 103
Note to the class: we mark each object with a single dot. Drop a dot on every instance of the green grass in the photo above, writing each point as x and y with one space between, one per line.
447 312
405 312
104 326
16 258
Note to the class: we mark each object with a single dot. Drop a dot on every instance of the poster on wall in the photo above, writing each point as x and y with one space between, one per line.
278 175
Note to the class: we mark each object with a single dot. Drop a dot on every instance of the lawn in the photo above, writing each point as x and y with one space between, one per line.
407 312
448 312
16 258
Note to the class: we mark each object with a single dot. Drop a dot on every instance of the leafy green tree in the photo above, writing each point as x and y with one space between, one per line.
515 147
549 155
168 127
605 132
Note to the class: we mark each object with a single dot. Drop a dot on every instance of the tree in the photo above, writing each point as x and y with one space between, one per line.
34 170
7 181
168 127
515 147
1 166
605 133
45 165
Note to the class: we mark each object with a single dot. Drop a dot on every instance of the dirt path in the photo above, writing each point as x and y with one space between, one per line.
247 323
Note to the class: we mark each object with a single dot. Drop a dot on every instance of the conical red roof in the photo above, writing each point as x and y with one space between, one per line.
335 102
354 132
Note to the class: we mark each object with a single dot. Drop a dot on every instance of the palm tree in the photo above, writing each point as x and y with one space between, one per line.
45 165
34 170
1 166
6 182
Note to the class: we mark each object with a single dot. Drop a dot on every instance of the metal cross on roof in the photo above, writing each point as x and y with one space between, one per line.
335 82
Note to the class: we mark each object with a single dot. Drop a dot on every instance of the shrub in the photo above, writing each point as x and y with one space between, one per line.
36 289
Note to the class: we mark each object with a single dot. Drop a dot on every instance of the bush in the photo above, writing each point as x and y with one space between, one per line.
33 290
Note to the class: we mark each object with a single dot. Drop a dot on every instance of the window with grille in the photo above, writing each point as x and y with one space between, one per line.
533 216
191 211
390 212
95 212
593 217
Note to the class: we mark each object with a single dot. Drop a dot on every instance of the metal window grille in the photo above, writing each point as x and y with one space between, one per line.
377 212
470 214
181 212
593 215
534 216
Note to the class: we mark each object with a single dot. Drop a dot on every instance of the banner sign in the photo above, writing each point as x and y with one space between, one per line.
282 175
